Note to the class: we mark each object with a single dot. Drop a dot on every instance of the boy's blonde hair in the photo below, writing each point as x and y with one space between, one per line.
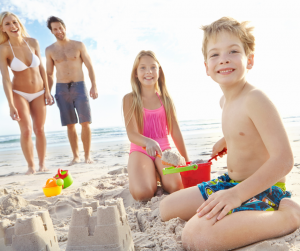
3 36
231 25
160 87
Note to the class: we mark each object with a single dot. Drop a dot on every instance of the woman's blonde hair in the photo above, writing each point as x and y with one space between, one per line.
161 88
3 36
229 24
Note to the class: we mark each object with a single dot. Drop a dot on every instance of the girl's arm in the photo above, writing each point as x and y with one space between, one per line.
132 130
178 139
7 85
48 97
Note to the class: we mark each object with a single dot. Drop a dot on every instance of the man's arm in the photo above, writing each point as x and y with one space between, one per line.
49 68
88 63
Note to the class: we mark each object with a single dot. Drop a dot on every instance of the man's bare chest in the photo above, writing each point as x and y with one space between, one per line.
67 54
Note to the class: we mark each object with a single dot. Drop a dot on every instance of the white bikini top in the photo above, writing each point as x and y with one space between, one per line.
18 65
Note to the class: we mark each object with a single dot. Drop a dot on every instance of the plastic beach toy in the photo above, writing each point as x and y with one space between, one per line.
191 175
65 176
51 188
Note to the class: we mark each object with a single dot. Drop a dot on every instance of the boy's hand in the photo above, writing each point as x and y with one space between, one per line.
219 147
220 203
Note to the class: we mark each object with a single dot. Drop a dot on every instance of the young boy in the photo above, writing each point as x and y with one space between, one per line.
226 213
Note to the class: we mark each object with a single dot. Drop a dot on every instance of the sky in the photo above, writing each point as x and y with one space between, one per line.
115 31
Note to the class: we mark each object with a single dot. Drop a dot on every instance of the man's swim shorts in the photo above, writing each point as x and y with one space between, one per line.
71 96
268 200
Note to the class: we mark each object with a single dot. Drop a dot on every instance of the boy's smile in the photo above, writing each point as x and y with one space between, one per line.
226 71
227 63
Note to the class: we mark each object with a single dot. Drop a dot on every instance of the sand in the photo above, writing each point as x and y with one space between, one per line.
173 157
107 178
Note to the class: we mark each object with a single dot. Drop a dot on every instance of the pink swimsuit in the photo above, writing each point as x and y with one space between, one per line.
155 127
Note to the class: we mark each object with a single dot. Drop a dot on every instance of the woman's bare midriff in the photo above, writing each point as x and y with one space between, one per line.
29 80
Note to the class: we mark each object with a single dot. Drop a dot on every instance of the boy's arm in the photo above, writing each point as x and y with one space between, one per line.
88 63
178 139
268 123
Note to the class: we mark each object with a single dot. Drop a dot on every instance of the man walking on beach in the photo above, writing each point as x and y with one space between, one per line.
67 56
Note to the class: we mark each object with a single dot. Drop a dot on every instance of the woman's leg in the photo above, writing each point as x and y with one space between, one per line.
142 177
170 182
23 108
38 114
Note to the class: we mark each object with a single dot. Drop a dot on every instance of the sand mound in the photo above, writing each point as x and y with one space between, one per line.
118 171
11 203
173 158
150 232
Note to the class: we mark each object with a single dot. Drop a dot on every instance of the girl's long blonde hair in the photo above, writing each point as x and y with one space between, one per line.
161 88
3 36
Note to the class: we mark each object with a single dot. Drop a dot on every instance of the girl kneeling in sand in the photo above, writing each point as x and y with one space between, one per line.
150 116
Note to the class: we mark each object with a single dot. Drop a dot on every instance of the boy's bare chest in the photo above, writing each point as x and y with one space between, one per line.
64 54
237 125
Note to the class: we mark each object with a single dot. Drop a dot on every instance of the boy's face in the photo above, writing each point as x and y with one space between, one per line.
227 62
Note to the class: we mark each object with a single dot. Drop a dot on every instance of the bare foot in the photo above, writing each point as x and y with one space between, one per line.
43 169
88 160
74 161
31 170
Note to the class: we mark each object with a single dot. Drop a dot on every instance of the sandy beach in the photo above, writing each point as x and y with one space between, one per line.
107 178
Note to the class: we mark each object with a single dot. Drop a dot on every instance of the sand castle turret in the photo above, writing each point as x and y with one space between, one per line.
95 227
34 233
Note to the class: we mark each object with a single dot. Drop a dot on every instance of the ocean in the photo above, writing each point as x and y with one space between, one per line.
12 142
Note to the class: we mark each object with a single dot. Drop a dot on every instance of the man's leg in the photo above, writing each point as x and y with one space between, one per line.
86 136
240 228
73 138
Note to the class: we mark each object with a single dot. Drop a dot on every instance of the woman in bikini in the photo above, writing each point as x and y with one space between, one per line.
149 117
28 90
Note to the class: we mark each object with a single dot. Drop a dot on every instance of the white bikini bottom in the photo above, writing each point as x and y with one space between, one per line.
30 96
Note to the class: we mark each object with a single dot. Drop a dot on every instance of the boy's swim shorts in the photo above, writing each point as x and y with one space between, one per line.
268 200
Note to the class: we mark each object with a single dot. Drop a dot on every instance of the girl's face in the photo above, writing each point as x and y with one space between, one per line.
147 71
11 26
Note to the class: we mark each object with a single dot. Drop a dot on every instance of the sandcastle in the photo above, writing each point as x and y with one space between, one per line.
95 227
34 233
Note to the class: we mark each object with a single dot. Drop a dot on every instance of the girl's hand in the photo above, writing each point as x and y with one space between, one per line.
218 147
49 99
14 114
152 147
